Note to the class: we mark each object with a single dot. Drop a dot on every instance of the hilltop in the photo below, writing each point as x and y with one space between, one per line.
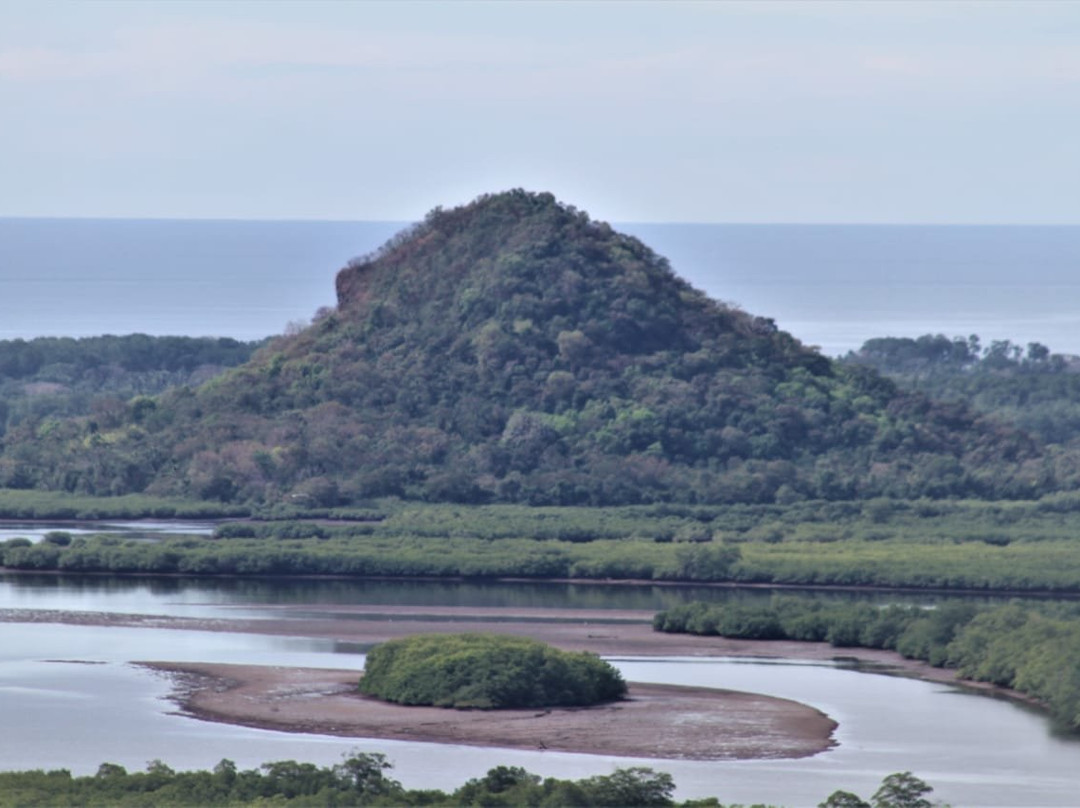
513 349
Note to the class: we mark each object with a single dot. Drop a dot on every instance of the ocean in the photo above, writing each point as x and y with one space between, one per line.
833 286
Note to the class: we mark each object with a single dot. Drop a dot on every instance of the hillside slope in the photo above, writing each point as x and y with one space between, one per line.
514 350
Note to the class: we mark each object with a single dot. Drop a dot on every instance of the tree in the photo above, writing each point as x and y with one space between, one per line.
902 790
637 786
844 799
363 773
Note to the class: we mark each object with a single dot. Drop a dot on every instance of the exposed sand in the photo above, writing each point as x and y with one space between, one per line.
656 721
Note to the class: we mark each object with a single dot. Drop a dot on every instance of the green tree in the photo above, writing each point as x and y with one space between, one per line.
634 786
902 790
365 775
844 799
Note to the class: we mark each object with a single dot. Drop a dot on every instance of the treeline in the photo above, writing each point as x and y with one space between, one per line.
1032 388
1035 651
369 556
68 358
933 354
55 505
96 376
362 779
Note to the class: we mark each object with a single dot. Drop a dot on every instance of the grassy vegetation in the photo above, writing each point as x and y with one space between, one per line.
487 671
962 545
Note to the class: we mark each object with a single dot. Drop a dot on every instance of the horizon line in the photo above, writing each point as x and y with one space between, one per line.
619 223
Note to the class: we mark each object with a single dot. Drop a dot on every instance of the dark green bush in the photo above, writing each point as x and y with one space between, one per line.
486 671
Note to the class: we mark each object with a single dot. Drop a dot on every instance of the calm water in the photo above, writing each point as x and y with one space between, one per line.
830 285
140 529
271 598
69 699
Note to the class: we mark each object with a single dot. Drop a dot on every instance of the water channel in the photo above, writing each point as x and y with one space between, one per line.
70 698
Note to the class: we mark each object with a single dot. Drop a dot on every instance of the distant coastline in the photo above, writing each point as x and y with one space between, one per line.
834 286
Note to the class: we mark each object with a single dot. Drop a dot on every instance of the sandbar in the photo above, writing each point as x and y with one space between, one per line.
654 721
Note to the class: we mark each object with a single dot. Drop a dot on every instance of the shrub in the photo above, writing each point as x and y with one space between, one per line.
486 671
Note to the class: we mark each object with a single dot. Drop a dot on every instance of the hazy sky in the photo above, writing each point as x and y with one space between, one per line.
715 112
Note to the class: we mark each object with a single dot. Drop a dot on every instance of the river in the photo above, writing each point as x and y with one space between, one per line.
71 699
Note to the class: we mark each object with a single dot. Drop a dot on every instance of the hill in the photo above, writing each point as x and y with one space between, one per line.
515 350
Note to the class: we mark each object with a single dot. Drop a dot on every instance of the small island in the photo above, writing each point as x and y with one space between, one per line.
487 671
656 721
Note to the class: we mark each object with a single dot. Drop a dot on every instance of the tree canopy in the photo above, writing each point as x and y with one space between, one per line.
486 671
514 350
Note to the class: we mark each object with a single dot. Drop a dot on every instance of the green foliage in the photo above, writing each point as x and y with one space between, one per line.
902 790
513 350
1033 651
1034 389
486 671
16 504
361 780
963 545
107 378
844 799
899 790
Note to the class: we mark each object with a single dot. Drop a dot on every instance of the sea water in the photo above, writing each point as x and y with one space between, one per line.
833 286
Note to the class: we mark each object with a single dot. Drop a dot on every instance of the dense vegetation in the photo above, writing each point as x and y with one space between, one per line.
96 376
1033 389
362 779
1034 650
513 350
962 545
487 672
55 505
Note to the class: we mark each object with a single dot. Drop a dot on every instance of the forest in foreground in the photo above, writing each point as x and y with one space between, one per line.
363 779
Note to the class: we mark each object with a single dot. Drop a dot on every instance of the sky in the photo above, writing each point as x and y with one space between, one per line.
815 112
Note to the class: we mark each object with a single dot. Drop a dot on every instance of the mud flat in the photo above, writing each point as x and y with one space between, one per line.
655 721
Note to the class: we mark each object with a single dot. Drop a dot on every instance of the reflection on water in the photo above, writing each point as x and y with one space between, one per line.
202 597
140 529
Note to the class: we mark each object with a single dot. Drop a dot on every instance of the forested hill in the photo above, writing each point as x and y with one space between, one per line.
514 350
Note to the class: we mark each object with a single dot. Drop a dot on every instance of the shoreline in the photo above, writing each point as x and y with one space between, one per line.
973 592
607 632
